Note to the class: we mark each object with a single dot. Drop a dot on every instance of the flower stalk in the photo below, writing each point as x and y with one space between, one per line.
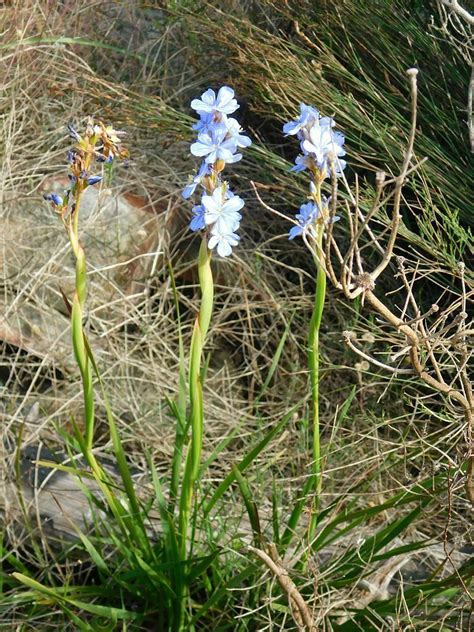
196 414
217 217
322 149
313 363
98 144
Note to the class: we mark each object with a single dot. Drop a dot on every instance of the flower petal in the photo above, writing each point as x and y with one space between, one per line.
209 203
294 232
233 205
224 249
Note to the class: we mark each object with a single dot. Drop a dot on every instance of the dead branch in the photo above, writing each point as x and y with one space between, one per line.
299 607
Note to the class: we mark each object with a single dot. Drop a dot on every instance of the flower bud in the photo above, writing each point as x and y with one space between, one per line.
93 180
56 199
219 166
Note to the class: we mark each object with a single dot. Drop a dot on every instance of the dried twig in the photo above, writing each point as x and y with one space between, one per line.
453 5
437 356
299 607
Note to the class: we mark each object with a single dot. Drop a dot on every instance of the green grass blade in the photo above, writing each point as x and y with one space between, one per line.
275 514
250 505
135 525
200 566
54 595
276 359
70 41
178 408
247 460
420 492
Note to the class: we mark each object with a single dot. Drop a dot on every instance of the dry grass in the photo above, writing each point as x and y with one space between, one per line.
139 81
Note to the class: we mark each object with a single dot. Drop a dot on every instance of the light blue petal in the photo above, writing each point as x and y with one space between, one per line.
300 167
209 97
223 154
200 107
295 232
212 157
197 223
200 149
224 249
234 158
243 141
233 204
225 95
209 203
188 190
292 127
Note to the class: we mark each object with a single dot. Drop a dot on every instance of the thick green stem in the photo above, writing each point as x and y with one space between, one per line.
196 415
313 362
78 342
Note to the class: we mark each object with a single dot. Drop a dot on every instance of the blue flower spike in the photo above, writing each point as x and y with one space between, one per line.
218 141
319 142
322 149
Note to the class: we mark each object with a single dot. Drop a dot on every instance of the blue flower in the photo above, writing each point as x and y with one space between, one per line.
222 210
308 214
93 180
318 141
234 132
322 142
207 122
56 199
189 189
209 103
72 133
219 139
301 163
214 145
223 240
197 222
107 160
307 117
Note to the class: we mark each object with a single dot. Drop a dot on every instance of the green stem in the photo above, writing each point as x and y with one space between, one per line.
313 362
78 342
196 415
